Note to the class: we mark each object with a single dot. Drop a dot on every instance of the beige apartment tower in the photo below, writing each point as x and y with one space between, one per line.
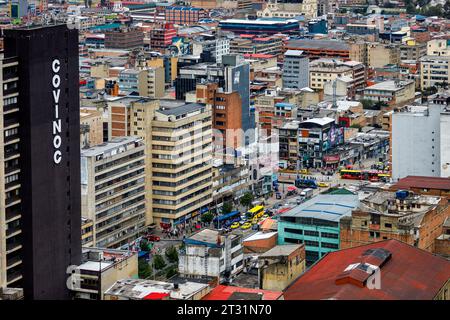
178 153
181 163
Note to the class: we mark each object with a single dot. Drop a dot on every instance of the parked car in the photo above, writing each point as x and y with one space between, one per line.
154 238
235 225
246 225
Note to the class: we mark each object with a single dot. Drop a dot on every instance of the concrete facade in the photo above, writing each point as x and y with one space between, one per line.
415 142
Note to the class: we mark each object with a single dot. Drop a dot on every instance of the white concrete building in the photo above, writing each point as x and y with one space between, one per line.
434 71
208 253
445 142
416 142
295 70
113 190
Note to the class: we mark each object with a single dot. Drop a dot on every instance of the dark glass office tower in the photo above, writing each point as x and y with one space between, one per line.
49 147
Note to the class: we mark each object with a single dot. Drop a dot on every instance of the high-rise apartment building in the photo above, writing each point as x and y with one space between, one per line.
233 75
178 140
181 163
113 190
40 222
132 116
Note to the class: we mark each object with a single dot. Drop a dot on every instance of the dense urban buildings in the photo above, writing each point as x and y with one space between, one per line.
224 150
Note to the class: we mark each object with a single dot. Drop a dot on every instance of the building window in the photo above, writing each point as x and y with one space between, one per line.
330 235
312 243
374 235
329 245
311 233
388 225
296 231
291 240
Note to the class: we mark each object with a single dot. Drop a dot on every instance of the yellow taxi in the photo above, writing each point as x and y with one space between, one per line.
246 225
322 185
235 225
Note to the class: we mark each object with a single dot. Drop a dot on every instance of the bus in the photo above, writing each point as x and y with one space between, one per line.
370 175
306 183
227 219
257 212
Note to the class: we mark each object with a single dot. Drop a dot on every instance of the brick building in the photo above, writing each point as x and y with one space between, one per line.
184 15
403 215
227 113
161 37
124 38
432 186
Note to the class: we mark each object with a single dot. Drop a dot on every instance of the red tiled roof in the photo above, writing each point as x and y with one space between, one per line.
409 274
423 182
222 292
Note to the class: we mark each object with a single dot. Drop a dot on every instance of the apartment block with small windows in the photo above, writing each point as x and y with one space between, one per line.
113 190
132 116
403 215
181 162
325 70
124 38
434 71
295 70
91 123
257 45
438 47
10 172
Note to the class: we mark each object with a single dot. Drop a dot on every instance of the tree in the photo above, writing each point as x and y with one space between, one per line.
207 217
144 269
158 262
443 84
429 91
447 9
145 245
367 104
172 254
247 199
171 272
227 208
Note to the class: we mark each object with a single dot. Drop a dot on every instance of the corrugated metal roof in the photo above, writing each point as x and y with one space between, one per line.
329 207
409 274
423 183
